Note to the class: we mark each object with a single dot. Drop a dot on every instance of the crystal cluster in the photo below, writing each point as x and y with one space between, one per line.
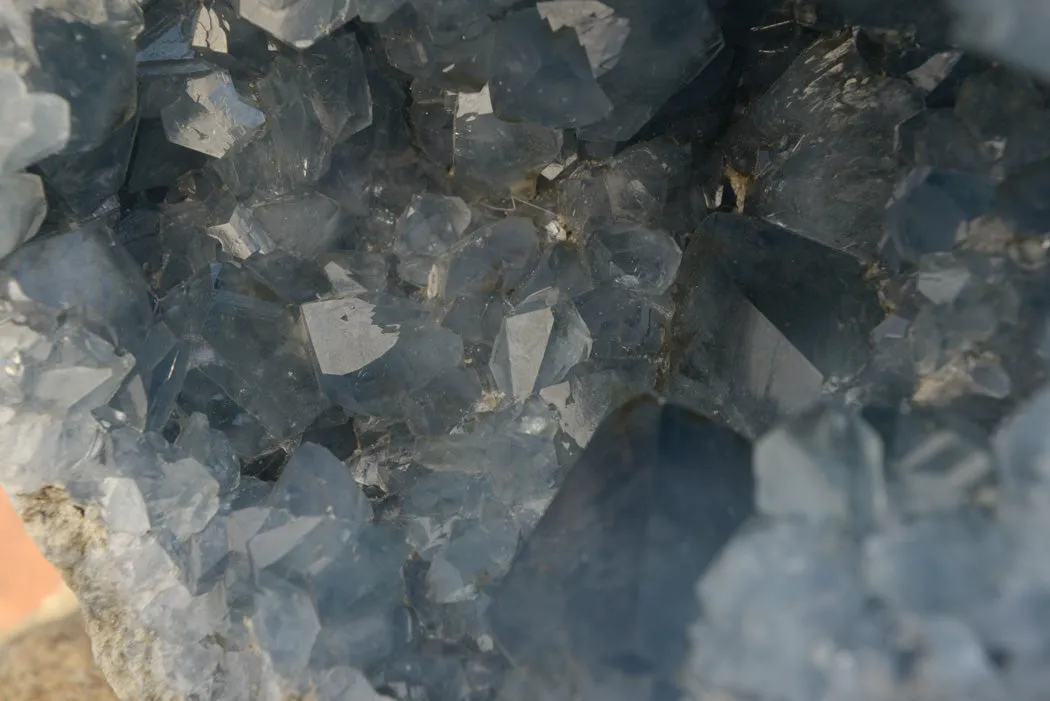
559 350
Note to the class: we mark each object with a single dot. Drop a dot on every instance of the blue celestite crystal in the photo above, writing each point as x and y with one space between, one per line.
414 350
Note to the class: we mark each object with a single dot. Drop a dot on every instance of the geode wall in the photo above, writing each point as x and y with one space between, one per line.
486 350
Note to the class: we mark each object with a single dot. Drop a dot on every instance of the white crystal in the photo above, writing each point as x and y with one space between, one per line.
601 33
427 228
771 601
1011 30
182 498
211 117
37 124
24 208
316 483
298 22
343 335
643 260
208 31
285 624
123 506
537 347
240 237
823 465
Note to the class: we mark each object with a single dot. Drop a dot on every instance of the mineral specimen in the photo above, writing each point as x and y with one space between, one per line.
558 350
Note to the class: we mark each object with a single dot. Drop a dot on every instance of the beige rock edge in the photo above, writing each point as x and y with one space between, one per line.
74 539
69 536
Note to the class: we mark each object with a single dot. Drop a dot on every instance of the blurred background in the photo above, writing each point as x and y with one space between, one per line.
45 654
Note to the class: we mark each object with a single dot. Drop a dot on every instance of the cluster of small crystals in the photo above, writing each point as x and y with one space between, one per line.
313 304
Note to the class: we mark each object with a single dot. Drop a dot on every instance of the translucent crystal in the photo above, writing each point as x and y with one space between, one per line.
156 161
602 591
962 556
769 601
492 258
38 123
211 117
165 39
238 320
622 324
438 406
510 453
182 498
306 225
354 272
638 259
737 357
601 33
636 186
475 552
344 336
123 506
379 387
428 228
299 22
285 623
817 297
591 393
665 48
929 208
22 200
1004 30
84 270
543 75
939 139
311 100
240 237
84 180
315 483
938 464
831 169
1021 446
536 347
451 43
561 270
496 155
84 53
824 465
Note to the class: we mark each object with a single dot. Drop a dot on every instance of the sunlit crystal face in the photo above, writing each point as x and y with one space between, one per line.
453 350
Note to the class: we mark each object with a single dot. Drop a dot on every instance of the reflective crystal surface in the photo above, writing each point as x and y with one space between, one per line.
575 620
557 350
210 117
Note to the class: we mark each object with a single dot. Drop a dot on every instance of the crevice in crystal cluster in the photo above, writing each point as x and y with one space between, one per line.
558 350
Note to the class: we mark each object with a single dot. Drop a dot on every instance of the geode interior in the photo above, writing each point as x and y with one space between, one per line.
557 350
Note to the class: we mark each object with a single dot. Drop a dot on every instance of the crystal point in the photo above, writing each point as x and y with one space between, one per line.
585 603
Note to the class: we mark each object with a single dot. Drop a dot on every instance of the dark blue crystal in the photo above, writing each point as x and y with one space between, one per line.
601 595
